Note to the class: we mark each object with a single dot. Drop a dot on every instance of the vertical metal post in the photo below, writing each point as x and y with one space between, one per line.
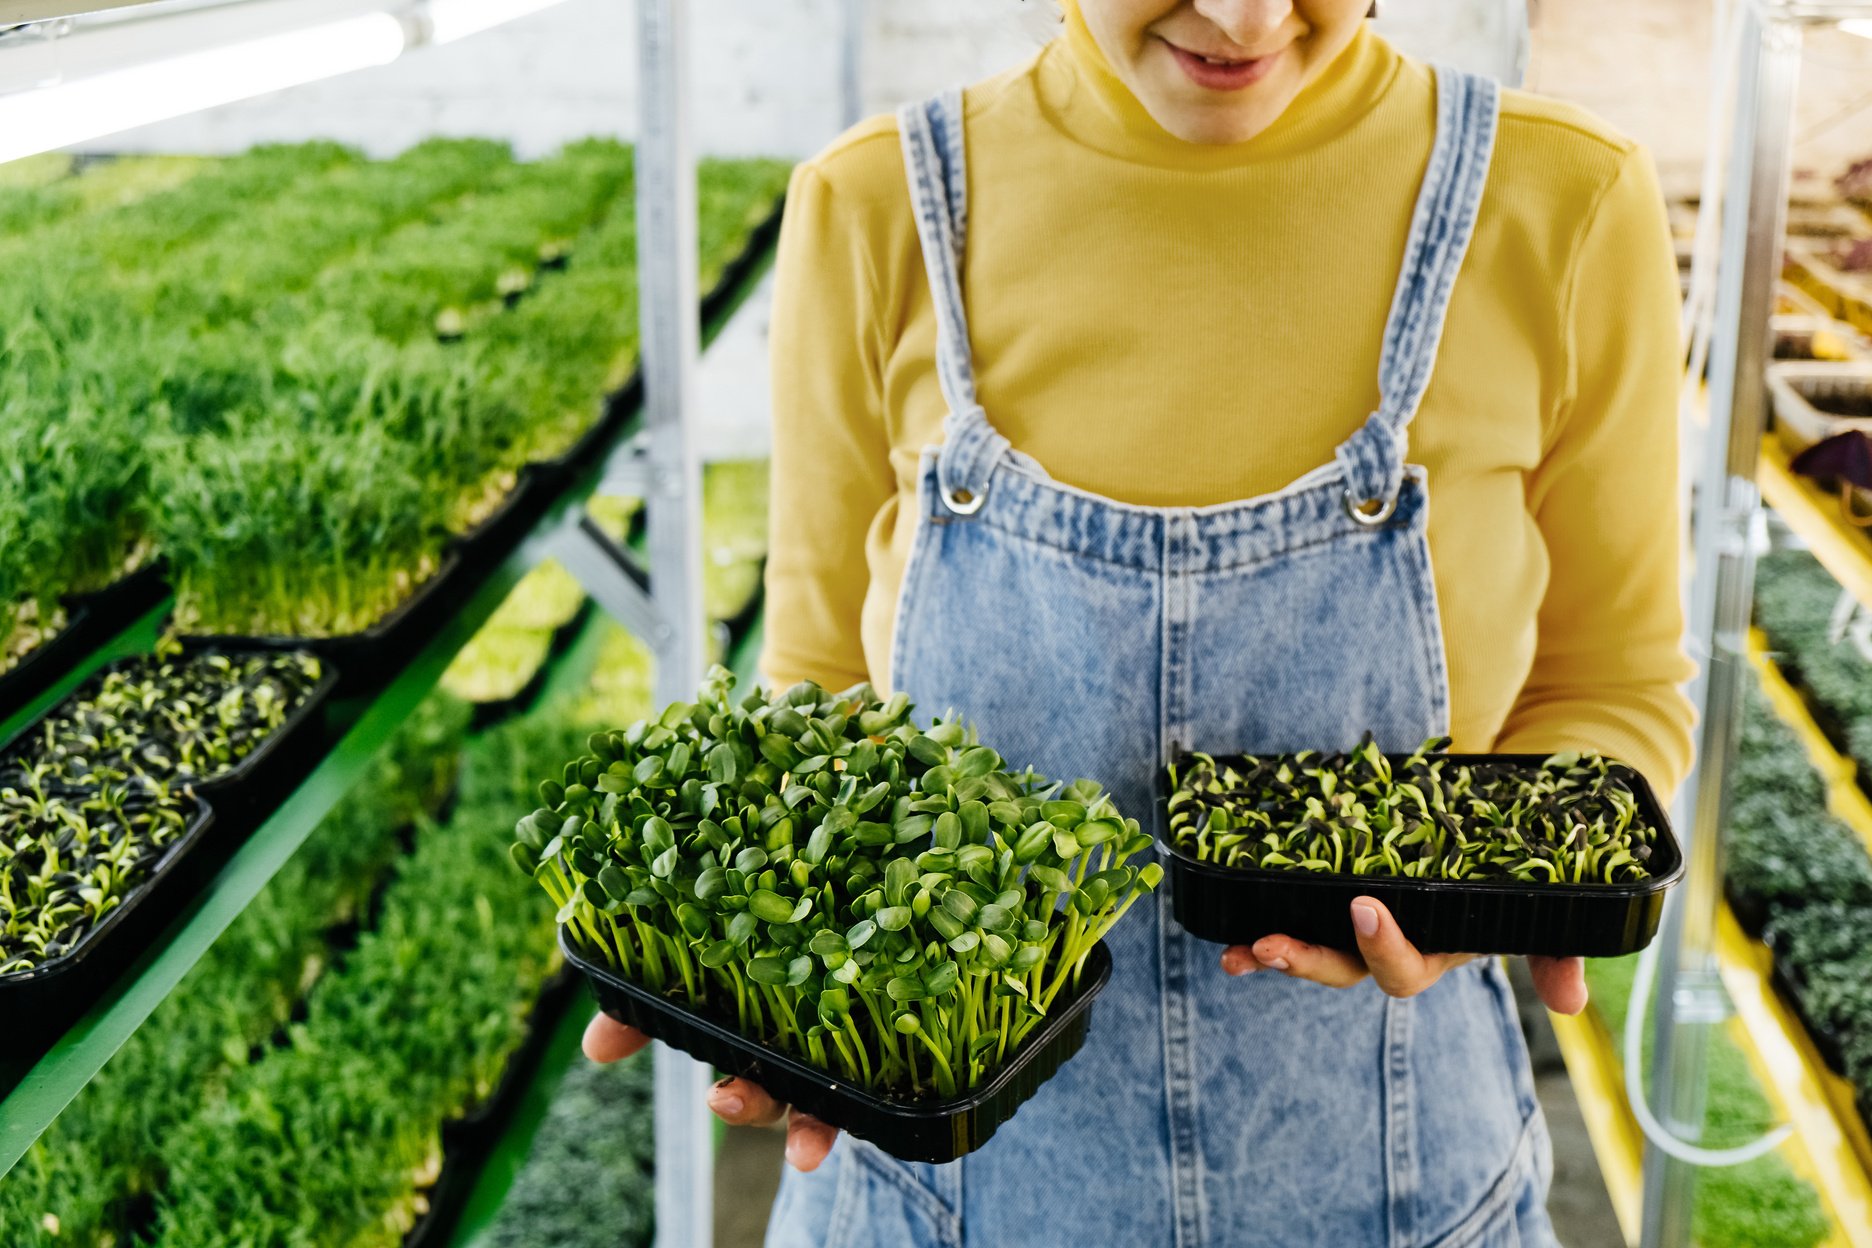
1689 996
667 302
851 65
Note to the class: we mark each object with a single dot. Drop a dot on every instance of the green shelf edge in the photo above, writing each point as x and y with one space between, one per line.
33 1092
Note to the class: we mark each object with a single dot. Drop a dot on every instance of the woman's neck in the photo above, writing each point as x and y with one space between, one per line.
1087 100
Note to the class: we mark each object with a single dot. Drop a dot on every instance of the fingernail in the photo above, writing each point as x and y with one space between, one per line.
795 1152
728 1103
1365 919
1279 964
1234 963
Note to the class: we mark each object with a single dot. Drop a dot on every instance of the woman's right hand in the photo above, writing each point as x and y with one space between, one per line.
735 1101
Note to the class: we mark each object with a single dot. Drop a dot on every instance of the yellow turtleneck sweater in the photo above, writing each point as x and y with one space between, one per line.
1179 325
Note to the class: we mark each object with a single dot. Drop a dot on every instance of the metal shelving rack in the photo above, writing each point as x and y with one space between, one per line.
1694 972
663 606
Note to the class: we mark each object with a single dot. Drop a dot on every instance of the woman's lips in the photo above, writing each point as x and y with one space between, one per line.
1220 74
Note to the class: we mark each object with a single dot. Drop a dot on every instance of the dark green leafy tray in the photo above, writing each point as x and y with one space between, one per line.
1239 905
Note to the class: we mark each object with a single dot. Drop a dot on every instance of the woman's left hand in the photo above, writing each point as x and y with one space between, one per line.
1393 962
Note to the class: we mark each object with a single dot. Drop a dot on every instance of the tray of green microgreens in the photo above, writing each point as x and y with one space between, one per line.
77 866
219 722
884 925
1563 854
105 798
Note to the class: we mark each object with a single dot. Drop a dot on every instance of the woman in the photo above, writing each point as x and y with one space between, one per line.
1201 306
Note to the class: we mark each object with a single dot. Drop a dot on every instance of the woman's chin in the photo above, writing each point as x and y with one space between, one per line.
1199 115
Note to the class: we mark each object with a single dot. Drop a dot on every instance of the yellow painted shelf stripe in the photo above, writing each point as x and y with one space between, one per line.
1829 1145
1598 1082
1815 514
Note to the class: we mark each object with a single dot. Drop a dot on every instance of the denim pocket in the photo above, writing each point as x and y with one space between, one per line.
882 1202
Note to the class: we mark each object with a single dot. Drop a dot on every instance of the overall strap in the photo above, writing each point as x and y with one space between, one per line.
1441 227
938 175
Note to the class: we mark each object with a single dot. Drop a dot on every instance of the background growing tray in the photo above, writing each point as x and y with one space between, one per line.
90 621
368 658
1240 905
928 1130
45 1000
512 520
619 407
269 765
278 763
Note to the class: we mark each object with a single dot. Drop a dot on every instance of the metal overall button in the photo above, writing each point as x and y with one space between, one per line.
964 502
1370 512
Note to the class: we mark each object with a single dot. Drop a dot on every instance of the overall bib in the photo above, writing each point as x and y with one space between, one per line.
1088 637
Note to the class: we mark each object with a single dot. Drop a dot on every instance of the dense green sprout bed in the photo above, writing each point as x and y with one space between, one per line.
1806 871
296 374
92 1178
587 1181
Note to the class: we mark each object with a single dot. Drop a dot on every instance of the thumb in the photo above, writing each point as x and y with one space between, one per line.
1560 983
1394 962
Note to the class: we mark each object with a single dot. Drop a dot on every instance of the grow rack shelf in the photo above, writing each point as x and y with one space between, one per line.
34 1090
1813 513
1831 1148
1801 1090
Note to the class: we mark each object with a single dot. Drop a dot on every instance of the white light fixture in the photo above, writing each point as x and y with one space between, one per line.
450 20
87 108
1861 26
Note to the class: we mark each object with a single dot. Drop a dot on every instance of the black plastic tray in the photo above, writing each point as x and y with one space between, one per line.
485 715
501 530
277 764
743 619
620 406
1792 988
1750 910
43 1002
928 1130
368 658
91 620
727 288
267 769
1240 905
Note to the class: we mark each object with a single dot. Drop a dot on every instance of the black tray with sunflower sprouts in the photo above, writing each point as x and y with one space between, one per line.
1564 854
886 926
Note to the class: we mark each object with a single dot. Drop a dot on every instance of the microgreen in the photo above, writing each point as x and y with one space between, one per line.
1571 820
69 858
165 719
892 903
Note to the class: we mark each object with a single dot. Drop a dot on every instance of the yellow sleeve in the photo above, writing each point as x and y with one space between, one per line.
1609 663
831 462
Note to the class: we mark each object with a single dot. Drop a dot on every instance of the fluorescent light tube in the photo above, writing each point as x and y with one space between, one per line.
450 20
88 108
1861 26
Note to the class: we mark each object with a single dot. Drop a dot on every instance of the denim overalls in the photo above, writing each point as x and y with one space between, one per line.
1088 637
